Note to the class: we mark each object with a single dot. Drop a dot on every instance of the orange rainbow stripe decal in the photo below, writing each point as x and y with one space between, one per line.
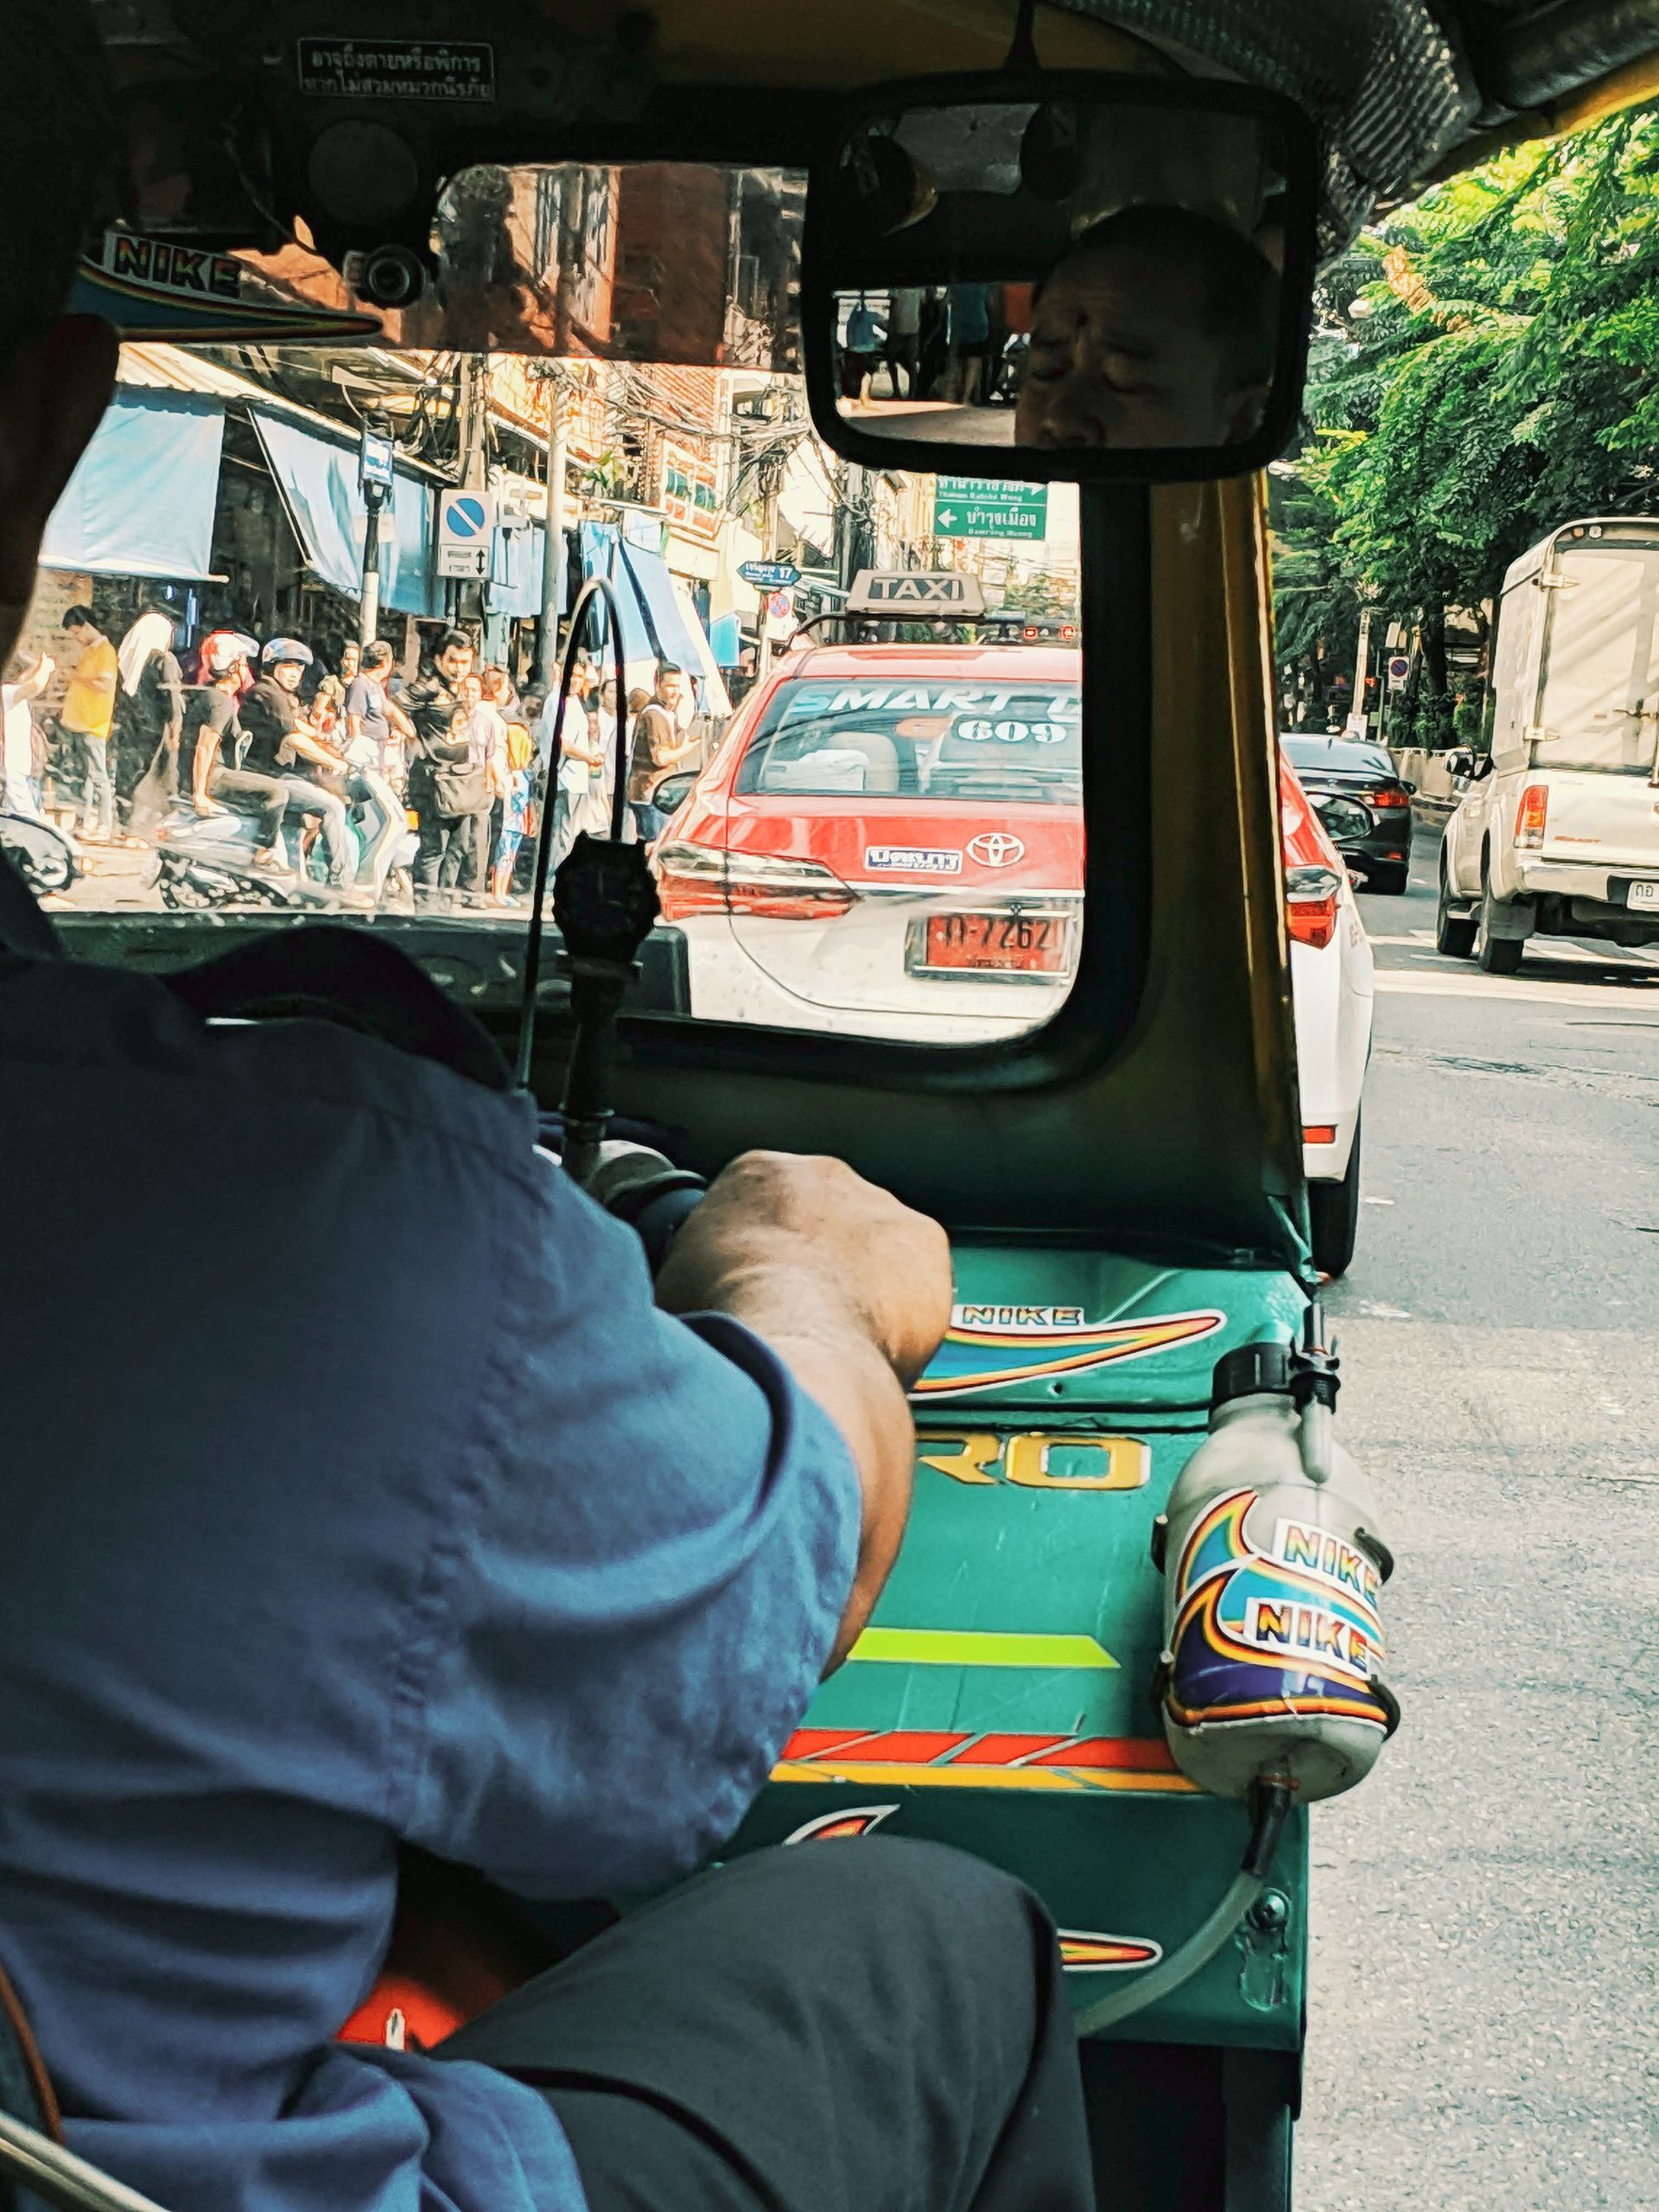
932 1758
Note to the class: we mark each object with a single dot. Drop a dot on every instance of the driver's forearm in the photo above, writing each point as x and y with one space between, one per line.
202 768
833 1357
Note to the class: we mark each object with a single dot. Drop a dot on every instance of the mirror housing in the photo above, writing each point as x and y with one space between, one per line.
1459 762
1167 224
674 789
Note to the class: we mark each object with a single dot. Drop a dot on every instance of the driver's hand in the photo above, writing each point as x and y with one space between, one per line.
868 1257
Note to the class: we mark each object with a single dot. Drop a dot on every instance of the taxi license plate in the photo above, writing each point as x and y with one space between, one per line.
1017 944
1643 894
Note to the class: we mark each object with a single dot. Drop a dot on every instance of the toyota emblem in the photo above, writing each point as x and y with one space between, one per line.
995 848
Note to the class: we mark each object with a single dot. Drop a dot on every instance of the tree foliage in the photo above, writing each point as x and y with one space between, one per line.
1487 367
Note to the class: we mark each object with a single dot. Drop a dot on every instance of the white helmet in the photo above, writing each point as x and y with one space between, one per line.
221 652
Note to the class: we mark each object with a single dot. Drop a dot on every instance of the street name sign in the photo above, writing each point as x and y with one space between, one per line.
376 458
770 575
984 506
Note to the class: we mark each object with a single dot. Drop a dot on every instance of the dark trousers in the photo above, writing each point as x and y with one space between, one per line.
451 845
856 2026
249 793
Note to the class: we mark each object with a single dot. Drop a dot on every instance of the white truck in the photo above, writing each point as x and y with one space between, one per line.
1558 829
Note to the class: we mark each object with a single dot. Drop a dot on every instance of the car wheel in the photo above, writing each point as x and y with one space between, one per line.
1333 1217
1496 956
1454 933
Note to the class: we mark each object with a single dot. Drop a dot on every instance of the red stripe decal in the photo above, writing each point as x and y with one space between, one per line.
1143 1753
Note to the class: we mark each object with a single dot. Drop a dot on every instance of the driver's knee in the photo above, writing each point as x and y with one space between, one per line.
902 1892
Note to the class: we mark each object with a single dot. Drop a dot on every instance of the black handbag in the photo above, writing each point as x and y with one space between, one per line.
460 790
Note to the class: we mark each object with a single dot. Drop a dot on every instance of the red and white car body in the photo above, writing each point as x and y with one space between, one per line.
889 843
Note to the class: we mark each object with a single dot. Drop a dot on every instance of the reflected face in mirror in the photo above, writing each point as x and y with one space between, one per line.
1156 327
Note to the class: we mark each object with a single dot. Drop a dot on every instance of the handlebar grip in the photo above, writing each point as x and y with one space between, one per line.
645 1189
659 1219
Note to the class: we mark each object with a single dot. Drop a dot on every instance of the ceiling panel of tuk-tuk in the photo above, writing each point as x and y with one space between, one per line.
1403 89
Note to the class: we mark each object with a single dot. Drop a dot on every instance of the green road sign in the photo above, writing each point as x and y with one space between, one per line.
984 506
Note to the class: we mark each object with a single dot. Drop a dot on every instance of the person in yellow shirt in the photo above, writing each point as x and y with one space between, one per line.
88 712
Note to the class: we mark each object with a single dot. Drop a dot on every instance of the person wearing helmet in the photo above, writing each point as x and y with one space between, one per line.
282 743
208 770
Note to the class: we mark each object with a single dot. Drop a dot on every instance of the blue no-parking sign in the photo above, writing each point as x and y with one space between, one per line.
466 527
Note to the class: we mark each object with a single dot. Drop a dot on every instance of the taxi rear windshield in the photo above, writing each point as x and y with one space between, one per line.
915 739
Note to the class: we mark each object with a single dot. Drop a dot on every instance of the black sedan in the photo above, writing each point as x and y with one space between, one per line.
1363 805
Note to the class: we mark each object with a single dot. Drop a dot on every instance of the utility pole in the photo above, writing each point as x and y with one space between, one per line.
847 531
474 404
1356 711
547 644
376 467
772 488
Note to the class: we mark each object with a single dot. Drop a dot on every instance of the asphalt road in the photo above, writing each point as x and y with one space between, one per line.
1484 2013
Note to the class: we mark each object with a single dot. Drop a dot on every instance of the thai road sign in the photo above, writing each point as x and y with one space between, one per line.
466 530
984 506
770 575
376 460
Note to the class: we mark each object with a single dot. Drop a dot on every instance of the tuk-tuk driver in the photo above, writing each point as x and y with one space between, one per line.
1157 326
447 1531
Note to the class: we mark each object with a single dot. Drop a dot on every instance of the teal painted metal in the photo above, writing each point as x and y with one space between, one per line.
1031 1522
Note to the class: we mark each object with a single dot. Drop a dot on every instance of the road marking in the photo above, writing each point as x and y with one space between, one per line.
1436 983
1377 1202
950 1647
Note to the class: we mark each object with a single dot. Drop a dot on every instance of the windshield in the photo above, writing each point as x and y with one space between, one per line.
300 613
913 737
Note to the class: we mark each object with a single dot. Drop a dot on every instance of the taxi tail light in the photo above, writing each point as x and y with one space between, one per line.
1312 898
1319 1133
695 879
690 878
1529 816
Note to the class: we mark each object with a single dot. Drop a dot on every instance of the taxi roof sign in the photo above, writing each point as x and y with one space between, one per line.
914 591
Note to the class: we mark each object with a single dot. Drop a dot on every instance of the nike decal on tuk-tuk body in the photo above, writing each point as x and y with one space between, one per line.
990 1347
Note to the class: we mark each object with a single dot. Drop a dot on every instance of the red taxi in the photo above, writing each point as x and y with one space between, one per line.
889 838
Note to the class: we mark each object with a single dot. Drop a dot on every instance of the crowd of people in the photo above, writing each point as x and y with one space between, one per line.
302 742
936 341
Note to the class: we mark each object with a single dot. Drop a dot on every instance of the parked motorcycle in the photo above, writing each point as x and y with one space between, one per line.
42 855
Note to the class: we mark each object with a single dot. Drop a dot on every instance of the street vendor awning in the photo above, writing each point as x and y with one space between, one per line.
516 574
140 502
317 477
670 625
602 556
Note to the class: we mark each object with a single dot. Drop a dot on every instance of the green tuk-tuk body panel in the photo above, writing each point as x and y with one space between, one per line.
1001 1697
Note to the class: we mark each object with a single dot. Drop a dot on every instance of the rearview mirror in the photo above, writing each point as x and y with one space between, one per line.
1071 275
1460 762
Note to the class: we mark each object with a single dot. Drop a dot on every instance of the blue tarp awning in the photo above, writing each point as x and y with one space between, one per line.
664 615
516 574
602 556
318 478
140 502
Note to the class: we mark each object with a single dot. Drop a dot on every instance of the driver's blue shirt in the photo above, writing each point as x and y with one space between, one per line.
355 1492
